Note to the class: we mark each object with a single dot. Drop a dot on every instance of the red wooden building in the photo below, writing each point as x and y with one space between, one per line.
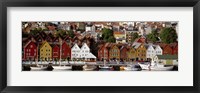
174 48
30 51
66 50
123 53
56 52
167 49
103 52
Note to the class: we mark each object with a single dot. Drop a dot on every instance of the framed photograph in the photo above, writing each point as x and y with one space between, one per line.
88 46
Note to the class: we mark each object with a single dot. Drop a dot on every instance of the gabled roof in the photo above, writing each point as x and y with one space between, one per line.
28 43
75 45
90 55
43 43
54 45
38 36
136 45
85 46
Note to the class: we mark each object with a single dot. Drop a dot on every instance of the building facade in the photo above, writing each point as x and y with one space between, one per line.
30 51
45 51
114 52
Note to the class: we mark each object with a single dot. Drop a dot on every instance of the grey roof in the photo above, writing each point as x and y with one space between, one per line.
136 45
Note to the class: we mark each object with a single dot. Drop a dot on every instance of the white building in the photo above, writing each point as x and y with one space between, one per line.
90 28
150 52
158 50
75 52
82 53
153 50
85 50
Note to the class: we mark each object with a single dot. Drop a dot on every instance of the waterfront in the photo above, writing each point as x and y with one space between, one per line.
79 66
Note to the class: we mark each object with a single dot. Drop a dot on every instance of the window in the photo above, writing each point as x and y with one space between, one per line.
31 46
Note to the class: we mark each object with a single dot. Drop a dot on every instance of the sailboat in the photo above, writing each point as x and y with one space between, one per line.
38 67
105 67
58 68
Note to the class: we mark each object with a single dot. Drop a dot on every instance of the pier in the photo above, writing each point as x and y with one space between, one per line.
98 63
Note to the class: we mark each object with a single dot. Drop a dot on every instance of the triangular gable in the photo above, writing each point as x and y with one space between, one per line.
75 47
86 47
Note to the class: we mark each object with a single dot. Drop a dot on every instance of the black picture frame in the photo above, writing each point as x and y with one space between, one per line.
100 3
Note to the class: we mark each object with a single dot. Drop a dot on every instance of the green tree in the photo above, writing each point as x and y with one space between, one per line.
34 31
71 33
107 35
111 39
168 35
134 36
153 36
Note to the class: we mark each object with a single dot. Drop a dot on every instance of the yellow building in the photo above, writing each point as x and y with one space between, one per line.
140 51
114 52
119 34
45 51
131 54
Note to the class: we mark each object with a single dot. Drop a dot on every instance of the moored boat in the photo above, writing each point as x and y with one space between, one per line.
131 68
38 68
62 67
155 67
89 67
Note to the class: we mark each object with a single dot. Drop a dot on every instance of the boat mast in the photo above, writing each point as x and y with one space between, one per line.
37 55
60 51
104 58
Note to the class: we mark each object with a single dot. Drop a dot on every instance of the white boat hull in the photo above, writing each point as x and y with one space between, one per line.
155 68
62 67
105 67
38 68
89 68
130 69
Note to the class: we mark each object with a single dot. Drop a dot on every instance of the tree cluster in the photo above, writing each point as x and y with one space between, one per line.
107 35
167 35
